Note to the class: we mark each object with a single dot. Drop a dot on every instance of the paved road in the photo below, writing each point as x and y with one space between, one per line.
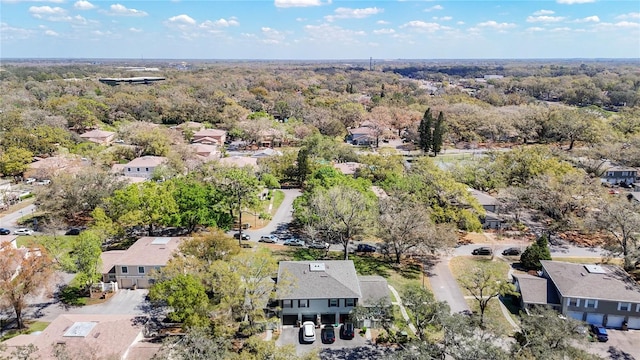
445 287
564 250
279 223
9 220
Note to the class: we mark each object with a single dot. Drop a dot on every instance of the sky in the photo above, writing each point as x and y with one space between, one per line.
320 29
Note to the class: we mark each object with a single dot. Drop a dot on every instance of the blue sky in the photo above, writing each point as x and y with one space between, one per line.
320 29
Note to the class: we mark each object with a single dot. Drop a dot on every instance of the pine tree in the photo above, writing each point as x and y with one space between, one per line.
424 131
438 134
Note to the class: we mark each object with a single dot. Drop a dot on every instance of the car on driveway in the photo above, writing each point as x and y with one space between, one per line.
245 236
308 332
511 252
268 239
4 231
293 242
347 331
366 248
328 334
482 251
23 231
600 333
318 245
73 231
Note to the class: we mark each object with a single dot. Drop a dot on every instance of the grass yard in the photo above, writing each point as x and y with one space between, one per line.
31 240
255 220
493 317
31 326
589 260
461 265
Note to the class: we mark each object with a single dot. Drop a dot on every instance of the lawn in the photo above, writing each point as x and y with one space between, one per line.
589 260
255 220
31 240
30 328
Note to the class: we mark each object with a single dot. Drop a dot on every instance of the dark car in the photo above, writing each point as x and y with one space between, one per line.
73 231
482 251
600 333
365 248
244 236
511 252
4 231
328 335
347 331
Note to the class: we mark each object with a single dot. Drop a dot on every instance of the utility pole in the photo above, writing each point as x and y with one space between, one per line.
370 63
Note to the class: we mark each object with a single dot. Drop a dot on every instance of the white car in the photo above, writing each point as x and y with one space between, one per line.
308 332
23 231
29 180
268 239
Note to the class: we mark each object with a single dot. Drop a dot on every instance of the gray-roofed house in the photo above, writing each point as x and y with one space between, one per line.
618 175
598 294
491 219
324 292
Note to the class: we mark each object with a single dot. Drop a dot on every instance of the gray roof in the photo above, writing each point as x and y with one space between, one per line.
483 198
575 281
536 290
337 280
374 289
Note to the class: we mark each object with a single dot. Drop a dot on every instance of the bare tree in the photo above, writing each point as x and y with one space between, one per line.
620 218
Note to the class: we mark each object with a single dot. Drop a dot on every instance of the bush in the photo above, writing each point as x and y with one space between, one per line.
537 251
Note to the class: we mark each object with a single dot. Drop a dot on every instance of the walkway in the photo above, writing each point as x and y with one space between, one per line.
402 309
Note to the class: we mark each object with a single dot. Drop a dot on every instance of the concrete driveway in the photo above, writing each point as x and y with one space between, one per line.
291 336
622 345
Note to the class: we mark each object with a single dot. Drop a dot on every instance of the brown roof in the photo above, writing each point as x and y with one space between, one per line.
147 161
97 134
106 335
239 161
206 139
348 168
210 133
147 251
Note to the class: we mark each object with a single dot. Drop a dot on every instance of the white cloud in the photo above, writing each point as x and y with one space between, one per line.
182 19
348 13
442 18
121 10
561 29
434 8
382 22
384 31
41 11
272 36
83 5
220 23
571 2
496 25
633 15
43 1
8 32
51 33
423 26
301 19
534 29
460 23
543 12
328 33
135 30
593 18
299 3
545 18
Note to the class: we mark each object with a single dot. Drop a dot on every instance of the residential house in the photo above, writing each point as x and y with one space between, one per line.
363 135
619 175
46 168
324 292
240 161
132 268
12 239
348 168
268 152
143 166
191 125
97 136
83 336
597 294
491 219
210 137
206 151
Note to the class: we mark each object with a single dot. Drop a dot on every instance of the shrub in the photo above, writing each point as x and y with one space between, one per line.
535 252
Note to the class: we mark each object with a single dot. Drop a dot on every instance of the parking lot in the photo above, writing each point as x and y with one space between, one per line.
290 335
621 345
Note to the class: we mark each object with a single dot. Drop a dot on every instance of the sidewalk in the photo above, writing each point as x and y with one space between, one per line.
402 309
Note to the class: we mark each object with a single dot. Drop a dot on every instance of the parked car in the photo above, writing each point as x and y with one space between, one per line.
318 245
482 251
347 331
268 239
43 182
366 248
73 231
308 332
245 236
4 231
29 180
328 334
293 242
23 231
600 333
511 252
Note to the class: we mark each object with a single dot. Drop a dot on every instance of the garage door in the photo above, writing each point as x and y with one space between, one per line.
615 321
634 323
327 319
289 319
575 315
596 319
311 318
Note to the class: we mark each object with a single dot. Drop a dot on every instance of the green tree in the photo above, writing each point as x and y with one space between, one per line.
303 165
198 204
196 344
620 218
85 254
425 132
187 298
438 134
426 311
484 286
14 161
535 252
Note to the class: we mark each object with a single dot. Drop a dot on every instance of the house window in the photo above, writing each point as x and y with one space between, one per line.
140 269
590 303
146 169
303 303
624 306
287 303
128 169
638 308
333 302
610 174
125 270
574 302
138 169
350 302
625 173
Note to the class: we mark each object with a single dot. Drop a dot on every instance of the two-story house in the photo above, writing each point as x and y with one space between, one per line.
597 294
98 136
619 175
143 166
210 137
490 220
324 292
132 268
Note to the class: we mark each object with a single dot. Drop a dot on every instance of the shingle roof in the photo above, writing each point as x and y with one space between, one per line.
338 280
575 281
374 289
483 198
142 253
536 290
97 133
239 161
210 132
147 161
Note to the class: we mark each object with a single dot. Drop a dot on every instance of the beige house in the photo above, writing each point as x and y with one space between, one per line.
46 168
210 137
240 161
81 335
206 151
97 136
143 166
132 268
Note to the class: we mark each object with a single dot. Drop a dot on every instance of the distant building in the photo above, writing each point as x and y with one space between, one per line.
619 175
143 166
210 137
99 136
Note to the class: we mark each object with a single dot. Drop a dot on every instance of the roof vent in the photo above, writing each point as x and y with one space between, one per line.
316 267
160 241
595 269
80 329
